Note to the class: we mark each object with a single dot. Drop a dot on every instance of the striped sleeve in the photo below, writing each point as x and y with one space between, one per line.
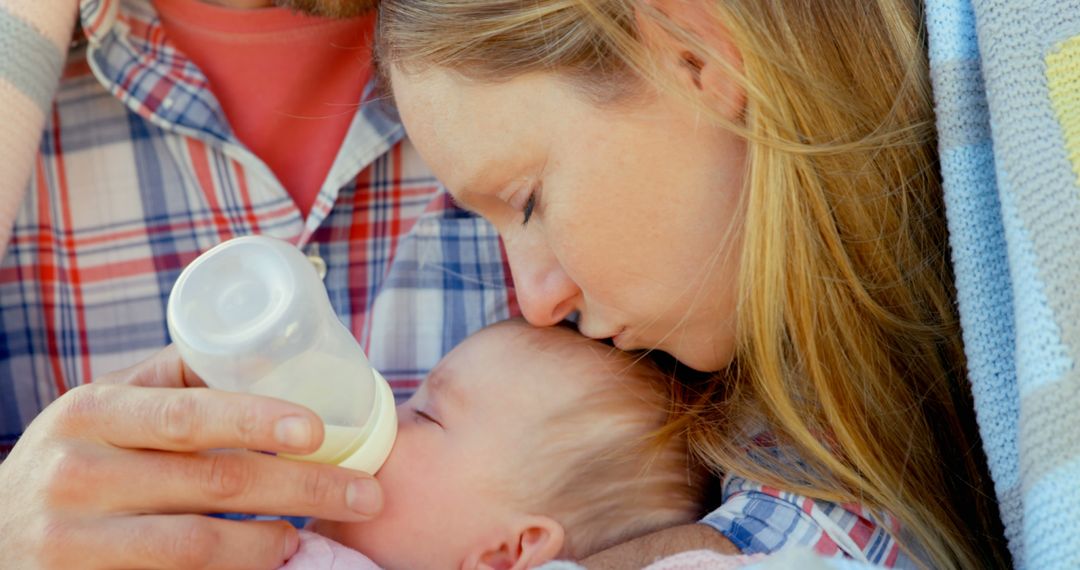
761 519
34 36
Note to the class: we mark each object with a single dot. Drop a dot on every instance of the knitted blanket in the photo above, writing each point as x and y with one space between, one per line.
1006 76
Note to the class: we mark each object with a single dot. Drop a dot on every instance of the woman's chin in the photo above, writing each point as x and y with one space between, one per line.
701 357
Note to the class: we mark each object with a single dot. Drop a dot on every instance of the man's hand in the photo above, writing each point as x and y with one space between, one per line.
113 474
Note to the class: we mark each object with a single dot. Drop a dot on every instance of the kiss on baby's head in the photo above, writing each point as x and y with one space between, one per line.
525 445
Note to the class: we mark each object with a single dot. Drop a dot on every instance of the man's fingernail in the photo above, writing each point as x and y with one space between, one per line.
292 544
293 431
364 496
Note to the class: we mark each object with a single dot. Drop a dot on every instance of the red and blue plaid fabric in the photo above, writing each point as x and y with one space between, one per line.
138 172
762 519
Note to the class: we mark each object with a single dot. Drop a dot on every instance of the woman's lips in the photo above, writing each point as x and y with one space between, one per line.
619 339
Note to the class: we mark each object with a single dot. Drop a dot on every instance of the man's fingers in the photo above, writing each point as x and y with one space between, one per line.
170 542
164 369
135 417
233 481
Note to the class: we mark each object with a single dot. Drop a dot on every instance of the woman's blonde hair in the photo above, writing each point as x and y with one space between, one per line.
848 350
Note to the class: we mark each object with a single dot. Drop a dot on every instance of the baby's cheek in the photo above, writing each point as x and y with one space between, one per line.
407 476
392 538
383 539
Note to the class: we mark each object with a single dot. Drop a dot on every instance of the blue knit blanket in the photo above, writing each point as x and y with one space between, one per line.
1006 76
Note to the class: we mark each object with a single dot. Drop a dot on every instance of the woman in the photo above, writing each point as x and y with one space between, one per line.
750 186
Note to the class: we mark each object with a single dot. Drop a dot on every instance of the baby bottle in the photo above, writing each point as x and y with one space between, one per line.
251 315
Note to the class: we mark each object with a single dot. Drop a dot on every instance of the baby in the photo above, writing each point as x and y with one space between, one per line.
523 445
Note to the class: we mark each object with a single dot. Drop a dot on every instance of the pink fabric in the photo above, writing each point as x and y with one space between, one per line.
704 560
320 553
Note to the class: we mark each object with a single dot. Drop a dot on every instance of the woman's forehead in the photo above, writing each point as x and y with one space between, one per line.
470 128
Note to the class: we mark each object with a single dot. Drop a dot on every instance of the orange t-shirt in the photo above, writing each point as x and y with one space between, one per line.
289 84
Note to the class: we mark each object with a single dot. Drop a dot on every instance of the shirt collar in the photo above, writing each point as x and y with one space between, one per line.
131 56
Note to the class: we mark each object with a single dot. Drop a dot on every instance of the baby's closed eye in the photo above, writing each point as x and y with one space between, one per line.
422 416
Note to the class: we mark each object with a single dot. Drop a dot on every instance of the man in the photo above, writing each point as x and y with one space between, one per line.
178 124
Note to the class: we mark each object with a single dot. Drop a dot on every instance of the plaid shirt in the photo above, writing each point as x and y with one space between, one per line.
761 519
139 172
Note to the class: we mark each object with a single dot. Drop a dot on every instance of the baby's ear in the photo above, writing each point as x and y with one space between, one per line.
532 541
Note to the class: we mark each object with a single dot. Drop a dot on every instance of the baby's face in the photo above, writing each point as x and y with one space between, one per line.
446 483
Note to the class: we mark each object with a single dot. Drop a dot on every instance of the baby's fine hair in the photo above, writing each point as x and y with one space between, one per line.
615 466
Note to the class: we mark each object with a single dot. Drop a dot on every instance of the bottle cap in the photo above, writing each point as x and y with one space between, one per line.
365 448
375 445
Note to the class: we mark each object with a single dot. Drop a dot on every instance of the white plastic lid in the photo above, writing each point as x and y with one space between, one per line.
365 449
373 451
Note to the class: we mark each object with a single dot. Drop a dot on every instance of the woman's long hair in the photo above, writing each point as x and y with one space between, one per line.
848 351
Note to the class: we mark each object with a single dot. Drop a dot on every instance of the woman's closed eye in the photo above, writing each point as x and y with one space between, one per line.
523 198
527 210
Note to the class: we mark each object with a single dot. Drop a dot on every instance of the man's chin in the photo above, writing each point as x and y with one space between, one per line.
330 8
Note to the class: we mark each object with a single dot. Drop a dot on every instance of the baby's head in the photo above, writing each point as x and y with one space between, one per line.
526 445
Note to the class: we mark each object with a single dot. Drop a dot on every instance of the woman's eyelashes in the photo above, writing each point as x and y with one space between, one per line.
522 195
527 210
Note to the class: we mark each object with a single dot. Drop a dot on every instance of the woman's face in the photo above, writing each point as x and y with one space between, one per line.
626 213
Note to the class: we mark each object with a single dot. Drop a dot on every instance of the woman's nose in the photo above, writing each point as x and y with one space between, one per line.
545 292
